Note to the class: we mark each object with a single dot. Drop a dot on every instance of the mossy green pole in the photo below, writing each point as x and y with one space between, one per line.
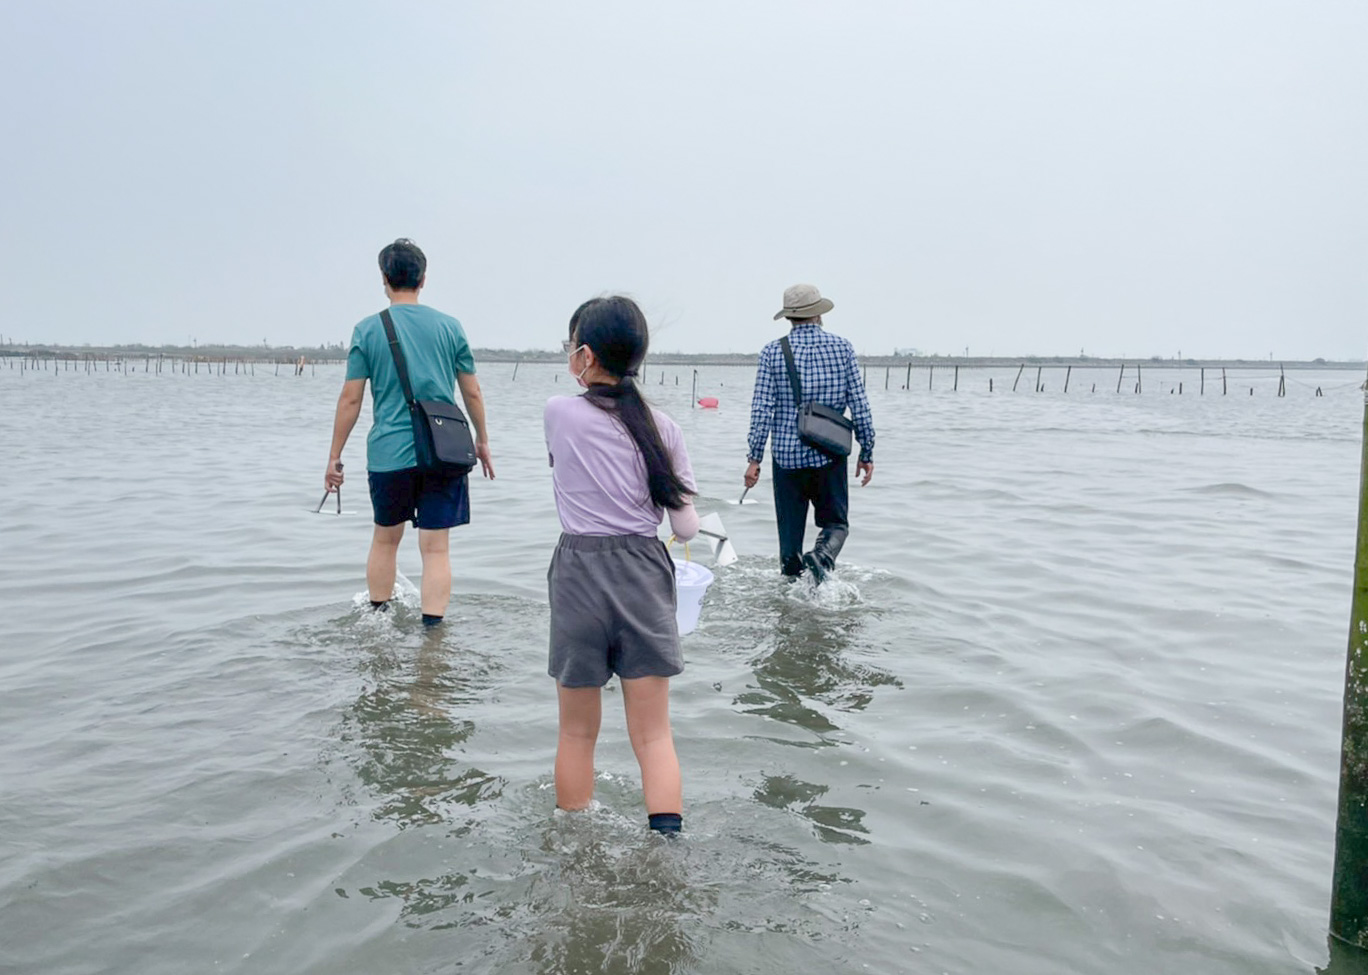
1349 896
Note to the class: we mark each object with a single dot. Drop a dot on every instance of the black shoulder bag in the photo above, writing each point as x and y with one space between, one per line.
819 426
441 434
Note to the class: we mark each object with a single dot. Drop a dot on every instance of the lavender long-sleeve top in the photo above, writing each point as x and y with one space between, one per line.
600 477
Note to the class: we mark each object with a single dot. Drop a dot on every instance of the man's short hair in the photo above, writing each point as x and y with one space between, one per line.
403 265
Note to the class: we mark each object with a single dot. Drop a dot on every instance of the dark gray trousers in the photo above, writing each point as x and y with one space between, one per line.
827 489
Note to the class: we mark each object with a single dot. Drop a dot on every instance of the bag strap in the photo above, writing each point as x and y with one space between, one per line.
398 353
792 372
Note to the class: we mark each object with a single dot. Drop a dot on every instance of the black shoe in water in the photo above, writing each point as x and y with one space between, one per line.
814 565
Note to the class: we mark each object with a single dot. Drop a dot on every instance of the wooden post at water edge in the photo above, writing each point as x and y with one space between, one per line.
1349 893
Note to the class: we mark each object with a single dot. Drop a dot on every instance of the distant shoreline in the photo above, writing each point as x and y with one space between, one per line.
288 354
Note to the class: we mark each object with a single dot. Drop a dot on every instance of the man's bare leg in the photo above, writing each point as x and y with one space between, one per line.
380 564
434 546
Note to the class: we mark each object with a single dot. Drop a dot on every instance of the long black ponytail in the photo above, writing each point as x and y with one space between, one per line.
615 330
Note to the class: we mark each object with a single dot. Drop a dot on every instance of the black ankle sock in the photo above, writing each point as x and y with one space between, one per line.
430 620
379 604
666 822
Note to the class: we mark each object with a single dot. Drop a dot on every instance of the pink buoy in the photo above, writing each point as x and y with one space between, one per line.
708 402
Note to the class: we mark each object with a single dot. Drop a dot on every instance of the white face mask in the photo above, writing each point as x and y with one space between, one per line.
579 377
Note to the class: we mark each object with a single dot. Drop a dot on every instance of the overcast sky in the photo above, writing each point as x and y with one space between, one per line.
1009 177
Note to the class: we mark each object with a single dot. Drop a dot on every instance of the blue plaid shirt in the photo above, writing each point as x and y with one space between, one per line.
830 376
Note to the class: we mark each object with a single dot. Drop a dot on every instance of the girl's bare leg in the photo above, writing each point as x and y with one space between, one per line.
647 701
581 709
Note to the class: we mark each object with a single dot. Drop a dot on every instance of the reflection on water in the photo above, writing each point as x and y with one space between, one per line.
834 824
1345 960
409 721
801 677
650 905
422 897
614 909
591 892
807 664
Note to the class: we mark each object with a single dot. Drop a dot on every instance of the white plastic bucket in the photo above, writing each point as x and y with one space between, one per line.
691 581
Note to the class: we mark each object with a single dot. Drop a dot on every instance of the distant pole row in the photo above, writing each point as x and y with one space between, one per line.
1137 386
219 365
128 365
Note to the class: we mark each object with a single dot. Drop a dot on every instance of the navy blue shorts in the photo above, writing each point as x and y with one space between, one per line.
431 499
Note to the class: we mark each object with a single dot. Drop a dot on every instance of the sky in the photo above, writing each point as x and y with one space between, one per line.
1007 178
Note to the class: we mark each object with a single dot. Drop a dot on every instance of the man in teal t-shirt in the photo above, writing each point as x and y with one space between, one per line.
439 362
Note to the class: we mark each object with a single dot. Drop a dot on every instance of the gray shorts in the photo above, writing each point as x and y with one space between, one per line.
612 610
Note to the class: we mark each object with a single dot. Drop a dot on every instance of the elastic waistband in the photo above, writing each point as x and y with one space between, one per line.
607 543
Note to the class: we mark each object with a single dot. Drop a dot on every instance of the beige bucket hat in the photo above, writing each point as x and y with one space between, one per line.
803 301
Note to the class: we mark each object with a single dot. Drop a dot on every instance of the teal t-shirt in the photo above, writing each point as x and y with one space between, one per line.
435 350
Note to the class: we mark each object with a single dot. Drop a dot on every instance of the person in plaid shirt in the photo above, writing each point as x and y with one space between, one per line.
804 475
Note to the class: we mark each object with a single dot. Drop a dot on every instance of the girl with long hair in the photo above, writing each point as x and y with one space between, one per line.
618 465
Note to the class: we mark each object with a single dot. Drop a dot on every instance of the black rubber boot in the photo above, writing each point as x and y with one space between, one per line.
822 559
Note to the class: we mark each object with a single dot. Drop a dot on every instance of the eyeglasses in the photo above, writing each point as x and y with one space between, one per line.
569 347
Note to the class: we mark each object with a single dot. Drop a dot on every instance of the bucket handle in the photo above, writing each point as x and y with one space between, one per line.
685 544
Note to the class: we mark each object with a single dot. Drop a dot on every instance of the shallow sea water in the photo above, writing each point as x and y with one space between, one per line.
1071 704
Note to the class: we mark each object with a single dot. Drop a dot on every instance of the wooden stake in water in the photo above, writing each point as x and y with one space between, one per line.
1349 889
